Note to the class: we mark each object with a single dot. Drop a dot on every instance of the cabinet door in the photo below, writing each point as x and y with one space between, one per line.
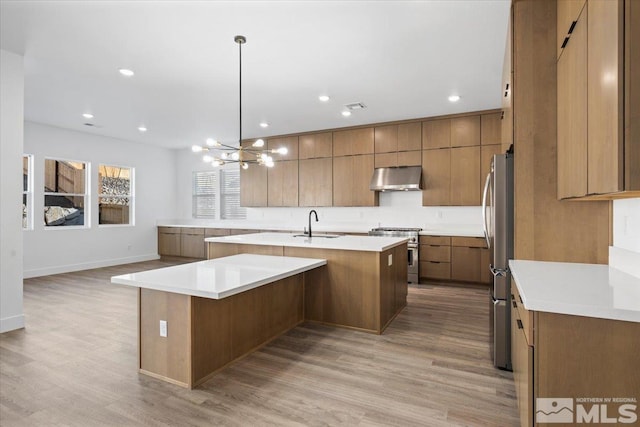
605 96
361 178
386 139
192 245
465 176
283 183
522 364
316 182
410 158
490 129
169 244
353 141
436 175
342 190
253 186
289 142
572 114
436 134
465 264
465 131
317 145
386 160
568 12
410 136
506 131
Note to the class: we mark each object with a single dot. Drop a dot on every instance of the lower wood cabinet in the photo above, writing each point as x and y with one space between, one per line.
460 259
559 356
169 241
192 243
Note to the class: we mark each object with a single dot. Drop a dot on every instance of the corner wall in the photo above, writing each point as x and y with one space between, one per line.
51 250
11 137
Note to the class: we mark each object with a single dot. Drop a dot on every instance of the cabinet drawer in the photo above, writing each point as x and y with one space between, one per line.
212 232
193 231
169 230
469 242
525 316
435 270
435 253
435 240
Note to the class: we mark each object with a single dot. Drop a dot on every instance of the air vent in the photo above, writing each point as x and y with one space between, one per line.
356 106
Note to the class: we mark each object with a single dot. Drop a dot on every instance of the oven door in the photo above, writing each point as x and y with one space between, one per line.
412 263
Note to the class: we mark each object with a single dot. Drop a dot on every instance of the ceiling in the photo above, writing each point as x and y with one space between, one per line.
402 59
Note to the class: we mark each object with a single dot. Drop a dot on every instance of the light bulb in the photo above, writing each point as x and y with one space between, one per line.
263 156
212 142
207 158
224 155
245 166
258 143
216 163
269 164
196 148
283 150
235 155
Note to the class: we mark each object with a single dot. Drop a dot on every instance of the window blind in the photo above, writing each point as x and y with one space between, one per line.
230 200
204 194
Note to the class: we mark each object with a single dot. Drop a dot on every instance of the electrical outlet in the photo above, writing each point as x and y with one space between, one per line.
163 328
390 259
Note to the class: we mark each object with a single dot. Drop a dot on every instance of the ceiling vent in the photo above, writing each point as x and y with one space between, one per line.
356 106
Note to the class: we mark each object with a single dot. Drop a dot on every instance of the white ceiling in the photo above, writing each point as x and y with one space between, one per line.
402 59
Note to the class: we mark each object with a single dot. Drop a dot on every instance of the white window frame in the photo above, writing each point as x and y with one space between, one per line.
131 196
219 194
28 194
86 195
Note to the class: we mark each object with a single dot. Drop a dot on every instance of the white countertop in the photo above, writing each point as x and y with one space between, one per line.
347 243
461 230
591 290
221 277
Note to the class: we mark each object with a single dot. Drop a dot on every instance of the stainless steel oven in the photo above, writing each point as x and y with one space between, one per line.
413 262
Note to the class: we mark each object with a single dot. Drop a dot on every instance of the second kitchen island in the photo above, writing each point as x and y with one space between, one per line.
364 285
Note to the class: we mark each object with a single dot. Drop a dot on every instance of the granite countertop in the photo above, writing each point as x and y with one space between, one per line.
222 277
349 243
591 290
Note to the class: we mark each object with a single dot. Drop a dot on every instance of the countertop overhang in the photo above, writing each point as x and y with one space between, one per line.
222 277
591 290
348 243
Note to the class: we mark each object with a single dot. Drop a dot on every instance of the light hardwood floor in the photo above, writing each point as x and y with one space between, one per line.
76 365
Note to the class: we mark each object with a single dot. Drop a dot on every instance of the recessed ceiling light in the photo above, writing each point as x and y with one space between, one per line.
264 125
142 128
323 98
87 115
454 98
126 72
346 113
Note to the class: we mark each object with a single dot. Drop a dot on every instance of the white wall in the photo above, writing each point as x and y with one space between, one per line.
396 208
625 252
11 131
60 249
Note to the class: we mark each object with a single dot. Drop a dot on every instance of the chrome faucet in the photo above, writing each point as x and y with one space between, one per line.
313 211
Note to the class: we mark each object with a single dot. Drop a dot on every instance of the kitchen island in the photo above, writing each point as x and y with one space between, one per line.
364 285
194 319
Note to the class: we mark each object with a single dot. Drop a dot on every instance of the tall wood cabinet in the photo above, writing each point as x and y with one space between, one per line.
597 94
398 145
351 177
315 173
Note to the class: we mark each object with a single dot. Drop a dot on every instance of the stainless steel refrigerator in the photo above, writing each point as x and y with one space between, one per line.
497 211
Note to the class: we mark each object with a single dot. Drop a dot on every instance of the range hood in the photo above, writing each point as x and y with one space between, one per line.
403 178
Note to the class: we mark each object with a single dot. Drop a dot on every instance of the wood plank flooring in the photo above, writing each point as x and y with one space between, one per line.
76 365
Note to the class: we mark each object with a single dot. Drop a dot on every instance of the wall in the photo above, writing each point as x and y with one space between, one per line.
58 249
625 252
11 132
396 208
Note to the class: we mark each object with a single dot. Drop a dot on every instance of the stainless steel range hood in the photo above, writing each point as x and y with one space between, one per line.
403 178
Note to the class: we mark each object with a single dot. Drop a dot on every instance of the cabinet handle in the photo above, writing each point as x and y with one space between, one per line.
519 324
564 43
515 304
520 298
573 25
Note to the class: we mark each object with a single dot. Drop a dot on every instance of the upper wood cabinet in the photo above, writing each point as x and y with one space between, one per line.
598 154
465 176
316 145
436 134
353 141
398 145
568 12
410 136
386 139
253 186
506 131
315 182
401 158
289 142
465 131
490 129
283 183
353 173
436 176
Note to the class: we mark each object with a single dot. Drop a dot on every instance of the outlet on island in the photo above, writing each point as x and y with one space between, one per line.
163 328
390 259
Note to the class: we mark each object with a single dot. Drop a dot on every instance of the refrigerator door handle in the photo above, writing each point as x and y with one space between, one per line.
498 271
484 209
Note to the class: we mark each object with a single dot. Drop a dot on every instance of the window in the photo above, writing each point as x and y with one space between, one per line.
65 193
27 192
115 195
205 188
216 195
230 202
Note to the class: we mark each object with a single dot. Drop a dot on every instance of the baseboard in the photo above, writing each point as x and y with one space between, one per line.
68 268
11 323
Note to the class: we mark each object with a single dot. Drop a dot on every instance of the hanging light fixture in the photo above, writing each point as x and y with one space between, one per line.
218 154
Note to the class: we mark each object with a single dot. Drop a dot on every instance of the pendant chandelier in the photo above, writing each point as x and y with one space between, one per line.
218 154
